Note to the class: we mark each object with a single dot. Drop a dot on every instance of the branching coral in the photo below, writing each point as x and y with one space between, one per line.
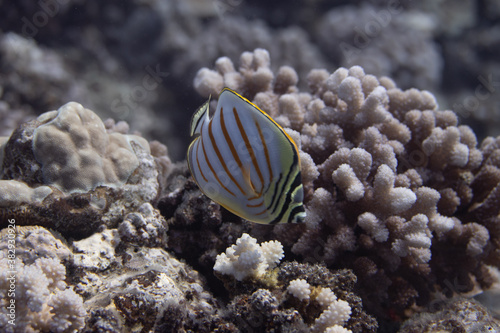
336 312
402 191
302 296
43 301
247 259
285 305
331 303
300 289
412 237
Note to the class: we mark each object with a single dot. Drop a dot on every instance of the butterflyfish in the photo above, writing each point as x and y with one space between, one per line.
243 160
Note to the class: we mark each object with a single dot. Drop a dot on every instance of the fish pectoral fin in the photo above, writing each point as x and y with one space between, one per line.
246 177
249 182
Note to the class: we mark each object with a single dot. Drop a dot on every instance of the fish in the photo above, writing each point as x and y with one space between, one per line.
244 161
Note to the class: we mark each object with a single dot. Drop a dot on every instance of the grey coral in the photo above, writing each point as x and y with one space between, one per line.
43 300
77 154
388 161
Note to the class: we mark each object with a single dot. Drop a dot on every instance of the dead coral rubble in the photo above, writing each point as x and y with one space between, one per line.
149 289
397 189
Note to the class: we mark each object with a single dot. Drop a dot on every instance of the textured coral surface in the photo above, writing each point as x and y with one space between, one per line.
392 104
401 200
396 193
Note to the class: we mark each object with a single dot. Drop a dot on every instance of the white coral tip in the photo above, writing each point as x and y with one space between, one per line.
300 289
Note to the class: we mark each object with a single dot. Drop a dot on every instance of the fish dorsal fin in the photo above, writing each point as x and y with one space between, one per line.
199 118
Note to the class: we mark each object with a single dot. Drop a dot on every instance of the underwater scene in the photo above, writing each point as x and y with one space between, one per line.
250 166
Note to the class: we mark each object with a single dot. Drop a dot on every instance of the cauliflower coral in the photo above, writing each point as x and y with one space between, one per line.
247 259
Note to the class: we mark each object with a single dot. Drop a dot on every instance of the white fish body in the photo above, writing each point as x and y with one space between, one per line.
243 160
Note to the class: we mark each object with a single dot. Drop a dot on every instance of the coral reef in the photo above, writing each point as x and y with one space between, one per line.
77 155
396 195
336 312
375 38
146 288
66 171
402 196
396 192
43 302
457 315
262 309
33 242
136 60
248 259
